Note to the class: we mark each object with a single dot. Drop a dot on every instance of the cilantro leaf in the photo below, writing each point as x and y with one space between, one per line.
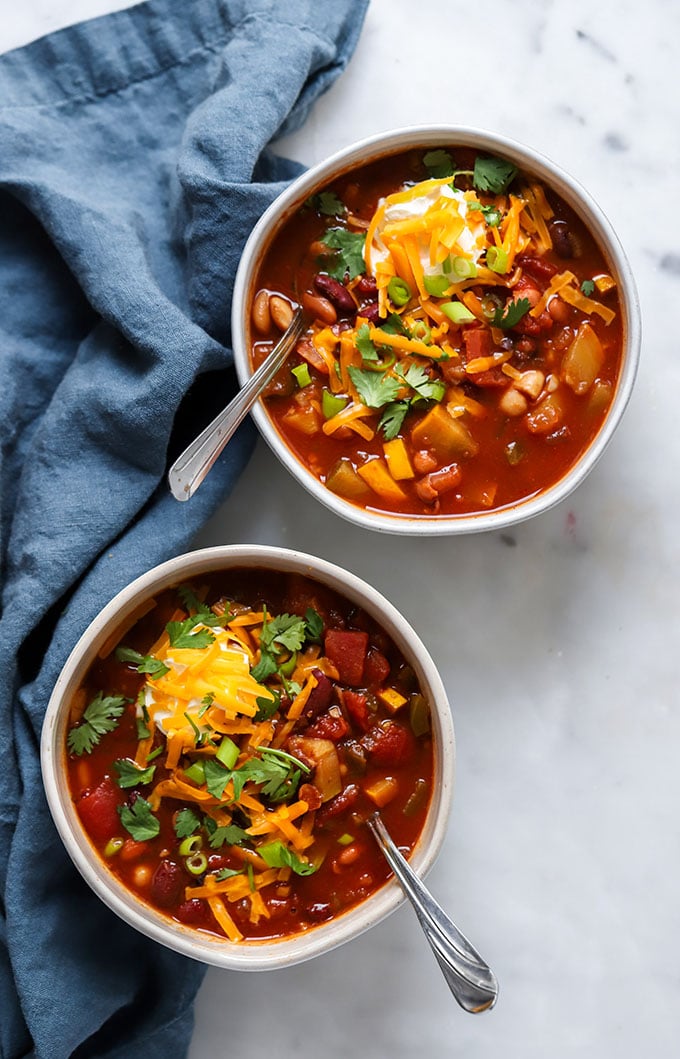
206 703
587 287
512 314
266 667
313 625
364 343
228 873
138 820
276 855
287 630
439 164
493 174
216 777
143 722
196 608
392 418
374 388
394 325
328 204
183 634
231 835
129 775
350 252
186 823
418 379
266 708
143 663
100 717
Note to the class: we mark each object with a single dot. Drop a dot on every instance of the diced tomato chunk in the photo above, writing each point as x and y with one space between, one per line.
347 651
356 705
98 811
376 670
477 341
389 744
329 726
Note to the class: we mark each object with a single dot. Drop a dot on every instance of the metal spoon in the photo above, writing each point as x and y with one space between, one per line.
190 469
469 978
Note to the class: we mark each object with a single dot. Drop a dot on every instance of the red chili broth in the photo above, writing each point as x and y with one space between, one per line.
316 898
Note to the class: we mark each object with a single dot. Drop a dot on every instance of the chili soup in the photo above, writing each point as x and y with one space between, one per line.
224 751
465 334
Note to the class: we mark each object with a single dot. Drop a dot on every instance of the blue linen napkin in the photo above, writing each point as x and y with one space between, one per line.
134 161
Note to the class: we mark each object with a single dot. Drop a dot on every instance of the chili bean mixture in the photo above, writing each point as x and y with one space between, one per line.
224 753
464 335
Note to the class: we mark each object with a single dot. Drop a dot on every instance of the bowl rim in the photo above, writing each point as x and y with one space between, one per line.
254 955
572 191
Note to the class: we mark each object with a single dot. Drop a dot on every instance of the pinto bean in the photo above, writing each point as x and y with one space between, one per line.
319 308
561 237
431 487
310 794
559 310
282 312
261 315
424 461
336 293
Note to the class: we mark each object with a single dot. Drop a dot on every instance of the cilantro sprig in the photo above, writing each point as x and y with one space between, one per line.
349 256
511 314
276 855
277 772
100 716
493 175
130 775
139 821
153 667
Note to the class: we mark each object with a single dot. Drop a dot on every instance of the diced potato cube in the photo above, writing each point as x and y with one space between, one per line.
447 436
392 699
583 360
398 462
376 474
344 480
383 791
304 419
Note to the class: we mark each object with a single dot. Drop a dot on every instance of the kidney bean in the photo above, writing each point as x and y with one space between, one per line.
342 803
319 308
561 237
335 292
371 312
320 696
195 913
537 268
281 311
262 317
167 884
366 285
98 810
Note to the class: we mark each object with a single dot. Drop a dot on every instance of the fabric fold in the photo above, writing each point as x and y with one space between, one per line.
135 157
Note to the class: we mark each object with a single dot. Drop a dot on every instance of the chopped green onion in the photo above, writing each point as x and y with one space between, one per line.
196 864
421 331
345 840
437 286
288 668
458 313
490 304
463 268
227 752
154 754
112 847
190 845
301 373
331 405
419 714
514 453
398 291
416 801
497 259
196 773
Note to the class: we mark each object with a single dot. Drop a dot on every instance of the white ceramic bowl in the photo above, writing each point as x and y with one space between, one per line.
251 955
530 161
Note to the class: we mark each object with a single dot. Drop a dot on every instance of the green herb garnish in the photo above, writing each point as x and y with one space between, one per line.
512 314
587 287
349 258
153 667
492 174
101 716
129 775
138 820
186 823
276 855
439 164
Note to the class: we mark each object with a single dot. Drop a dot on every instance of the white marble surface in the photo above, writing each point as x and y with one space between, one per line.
560 644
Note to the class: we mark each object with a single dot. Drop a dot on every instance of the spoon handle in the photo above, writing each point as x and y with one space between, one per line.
190 469
469 978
